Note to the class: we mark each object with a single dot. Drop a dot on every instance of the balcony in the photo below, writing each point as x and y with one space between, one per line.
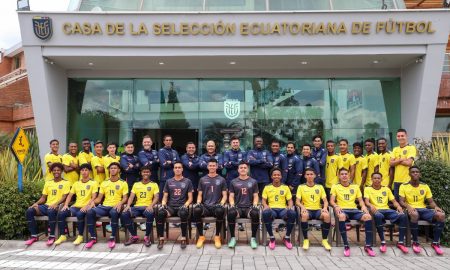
13 77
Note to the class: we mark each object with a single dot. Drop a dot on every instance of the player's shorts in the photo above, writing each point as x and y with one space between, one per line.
314 214
354 214
426 214
389 214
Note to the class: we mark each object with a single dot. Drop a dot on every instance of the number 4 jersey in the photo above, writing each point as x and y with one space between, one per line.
311 196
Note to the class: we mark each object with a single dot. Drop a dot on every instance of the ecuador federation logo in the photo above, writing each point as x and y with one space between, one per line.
231 108
422 192
42 27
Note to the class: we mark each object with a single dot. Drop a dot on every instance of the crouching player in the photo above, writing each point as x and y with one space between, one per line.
412 197
146 193
343 197
277 203
211 199
115 194
85 191
376 199
308 200
54 193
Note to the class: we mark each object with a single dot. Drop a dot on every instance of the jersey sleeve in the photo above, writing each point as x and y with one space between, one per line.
333 190
156 189
288 193
364 164
66 188
255 187
45 189
224 185
322 192
133 189
47 159
358 193
231 188
125 188
265 192
367 192
299 193
95 187
103 188
428 194
200 185
352 160
401 191
390 195
413 152
82 159
190 186
66 160
73 190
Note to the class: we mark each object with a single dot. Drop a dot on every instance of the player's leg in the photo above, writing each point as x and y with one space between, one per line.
114 215
367 219
414 227
305 216
197 215
379 222
80 224
183 213
219 212
342 218
161 216
149 218
126 218
52 215
254 216
62 225
91 220
32 225
268 216
231 218
326 219
289 215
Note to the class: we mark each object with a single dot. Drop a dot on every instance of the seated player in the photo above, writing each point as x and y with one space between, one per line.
308 199
377 198
146 193
85 191
54 193
176 200
115 194
211 199
277 203
343 197
412 197
243 202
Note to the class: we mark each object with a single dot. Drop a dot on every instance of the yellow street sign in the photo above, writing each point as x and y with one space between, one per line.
20 145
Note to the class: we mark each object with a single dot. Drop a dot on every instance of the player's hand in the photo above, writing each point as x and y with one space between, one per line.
373 209
127 208
34 205
196 204
438 209
325 210
169 162
266 207
364 209
291 187
162 207
149 209
255 206
303 210
53 206
400 210
65 207
118 207
185 206
412 210
338 210
86 208
232 206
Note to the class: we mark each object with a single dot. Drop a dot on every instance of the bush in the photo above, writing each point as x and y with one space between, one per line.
13 205
436 174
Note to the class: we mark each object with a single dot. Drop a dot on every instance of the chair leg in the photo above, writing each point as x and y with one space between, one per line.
374 233
358 227
408 234
391 233
264 235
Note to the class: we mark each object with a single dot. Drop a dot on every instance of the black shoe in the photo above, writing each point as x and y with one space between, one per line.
160 243
183 244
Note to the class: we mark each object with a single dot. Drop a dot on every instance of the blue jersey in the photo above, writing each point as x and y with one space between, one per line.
166 169
231 159
260 163
310 162
280 161
150 158
191 168
131 175
295 170
320 155
204 159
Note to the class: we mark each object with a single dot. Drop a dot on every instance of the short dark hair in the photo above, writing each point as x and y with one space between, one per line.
257 137
234 138
317 137
57 164
243 162
53 140
275 141
288 143
374 173
382 139
146 167
343 169
310 170
402 130
357 144
86 166
98 142
414 167
112 143
147 137
167 135
213 160
330 141
307 145
188 143
371 140
178 162
85 139
114 164
275 169
128 143
343 140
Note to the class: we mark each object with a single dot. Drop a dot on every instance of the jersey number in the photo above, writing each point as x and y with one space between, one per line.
312 197
276 198
415 198
244 191
380 199
347 197
143 195
212 189
83 192
177 192
54 192
111 192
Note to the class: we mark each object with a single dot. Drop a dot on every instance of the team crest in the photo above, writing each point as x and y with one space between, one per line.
149 188
422 192
249 185
404 152
281 192
231 108
117 187
42 27
183 185
352 191
217 182
332 160
384 193
60 186
384 159
317 191
345 159
88 187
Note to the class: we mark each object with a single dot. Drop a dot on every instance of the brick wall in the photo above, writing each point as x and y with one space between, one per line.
5 66
18 92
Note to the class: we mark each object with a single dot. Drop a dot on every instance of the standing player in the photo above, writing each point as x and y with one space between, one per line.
385 158
146 194
343 197
376 199
98 167
331 171
346 159
176 201
402 159
360 166
191 165
52 157
211 154
260 162
308 200
373 161
54 193
211 199
85 191
277 203
243 202
232 158
70 162
279 159
320 155
295 168
412 197
115 194
149 157
85 156
167 158
110 158
310 162
129 164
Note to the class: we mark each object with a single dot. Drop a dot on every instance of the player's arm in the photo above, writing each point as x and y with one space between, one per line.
130 201
162 159
190 198
90 204
68 168
404 204
67 201
41 200
372 208
364 176
325 204
397 206
268 163
265 204
333 204
362 205
391 176
153 203
433 205
118 206
199 196
352 172
99 198
143 158
408 162
231 199
300 205
255 199
164 199
62 200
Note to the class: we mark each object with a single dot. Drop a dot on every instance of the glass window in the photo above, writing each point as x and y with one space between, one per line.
362 4
235 5
299 5
110 5
172 5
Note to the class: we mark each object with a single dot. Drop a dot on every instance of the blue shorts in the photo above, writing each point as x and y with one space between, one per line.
138 211
426 214
314 214
355 214
390 214
279 213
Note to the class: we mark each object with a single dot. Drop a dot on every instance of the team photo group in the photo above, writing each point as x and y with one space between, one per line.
321 181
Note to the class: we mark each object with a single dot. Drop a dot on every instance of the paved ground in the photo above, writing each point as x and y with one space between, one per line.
14 255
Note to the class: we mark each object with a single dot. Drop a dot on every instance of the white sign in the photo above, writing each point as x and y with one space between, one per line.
231 108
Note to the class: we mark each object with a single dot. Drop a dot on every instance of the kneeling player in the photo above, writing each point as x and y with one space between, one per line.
243 203
343 197
277 203
308 199
146 193
176 200
85 191
115 192
212 196
376 199
54 193
412 197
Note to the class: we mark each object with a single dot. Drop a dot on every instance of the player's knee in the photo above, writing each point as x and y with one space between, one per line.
198 211
342 217
440 216
366 217
291 216
254 215
378 217
414 216
305 217
325 216
52 213
30 213
220 212
162 214
80 215
232 214
148 214
113 213
183 214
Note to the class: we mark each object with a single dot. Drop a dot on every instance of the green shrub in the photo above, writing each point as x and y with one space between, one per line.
436 174
13 205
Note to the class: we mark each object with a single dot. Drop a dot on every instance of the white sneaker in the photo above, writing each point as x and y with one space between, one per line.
142 227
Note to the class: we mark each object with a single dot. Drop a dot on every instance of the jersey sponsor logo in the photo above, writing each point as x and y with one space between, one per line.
42 27
149 188
352 191
232 108
422 192
60 186
117 187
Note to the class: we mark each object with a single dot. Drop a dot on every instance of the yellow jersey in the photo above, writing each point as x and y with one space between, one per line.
83 192
346 196
277 197
379 197
360 166
144 193
85 158
55 190
113 191
373 160
98 162
331 171
52 158
108 160
72 176
415 196
401 174
347 160
310 196
384 160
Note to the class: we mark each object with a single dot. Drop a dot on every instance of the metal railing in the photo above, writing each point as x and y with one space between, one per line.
12 76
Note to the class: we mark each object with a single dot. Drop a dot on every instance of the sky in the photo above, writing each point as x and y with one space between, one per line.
9 23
